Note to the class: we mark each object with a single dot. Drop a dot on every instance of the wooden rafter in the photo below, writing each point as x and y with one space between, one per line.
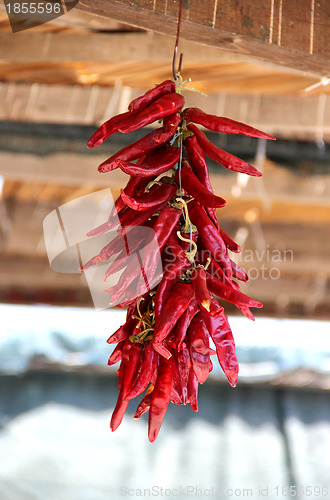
292 33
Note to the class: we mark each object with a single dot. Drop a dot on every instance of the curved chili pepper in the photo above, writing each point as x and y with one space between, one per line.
165 105
160 398
192 389
210 237
141 147
158 162
108 128
123 332
221 124
196 189
219 155
199 347
143 101
117 353
157 195
171 275
198 164
202 294
239 273
214 268
143 406
184 322
183 360
181 295
175 248
129 367
228 293
230 244
149 362
222 337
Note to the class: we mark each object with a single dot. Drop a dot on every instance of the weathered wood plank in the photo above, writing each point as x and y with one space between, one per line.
237 26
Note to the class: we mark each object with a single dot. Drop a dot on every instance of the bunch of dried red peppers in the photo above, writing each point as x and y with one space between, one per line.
164 344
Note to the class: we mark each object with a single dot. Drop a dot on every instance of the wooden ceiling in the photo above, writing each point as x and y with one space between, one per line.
80 69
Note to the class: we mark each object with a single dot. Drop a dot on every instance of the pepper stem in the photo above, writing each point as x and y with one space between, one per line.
188 225
190 255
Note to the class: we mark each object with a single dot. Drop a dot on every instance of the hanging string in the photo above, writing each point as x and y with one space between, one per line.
176 73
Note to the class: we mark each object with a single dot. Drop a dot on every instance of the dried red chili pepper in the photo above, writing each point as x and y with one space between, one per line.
181 295
210 237
219 155
222 337
141 147
160 397
157 195
143 101
156 163
129 367
221 124
196 189
199 347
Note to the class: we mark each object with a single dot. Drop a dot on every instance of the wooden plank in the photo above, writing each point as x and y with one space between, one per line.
237 26
126 47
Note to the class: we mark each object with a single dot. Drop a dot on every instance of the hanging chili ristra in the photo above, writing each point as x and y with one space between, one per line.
164 344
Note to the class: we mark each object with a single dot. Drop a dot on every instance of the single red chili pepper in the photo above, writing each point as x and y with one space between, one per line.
157 195
246 311
149 363
184 322
222 337
113 222
239 273
144 405
143 146
199 347
160 398
165 105
228 293
156 163
117 353
202 294
192 389
198 163
130 363
175 248
183 360
214 268
221 124
196 189
210 237
163 227
181 295
172 273
108 128
113 247
123 332
170 126
219 155
126 278
230 244
143 101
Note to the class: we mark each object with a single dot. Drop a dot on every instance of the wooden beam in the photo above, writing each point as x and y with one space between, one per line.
293 33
